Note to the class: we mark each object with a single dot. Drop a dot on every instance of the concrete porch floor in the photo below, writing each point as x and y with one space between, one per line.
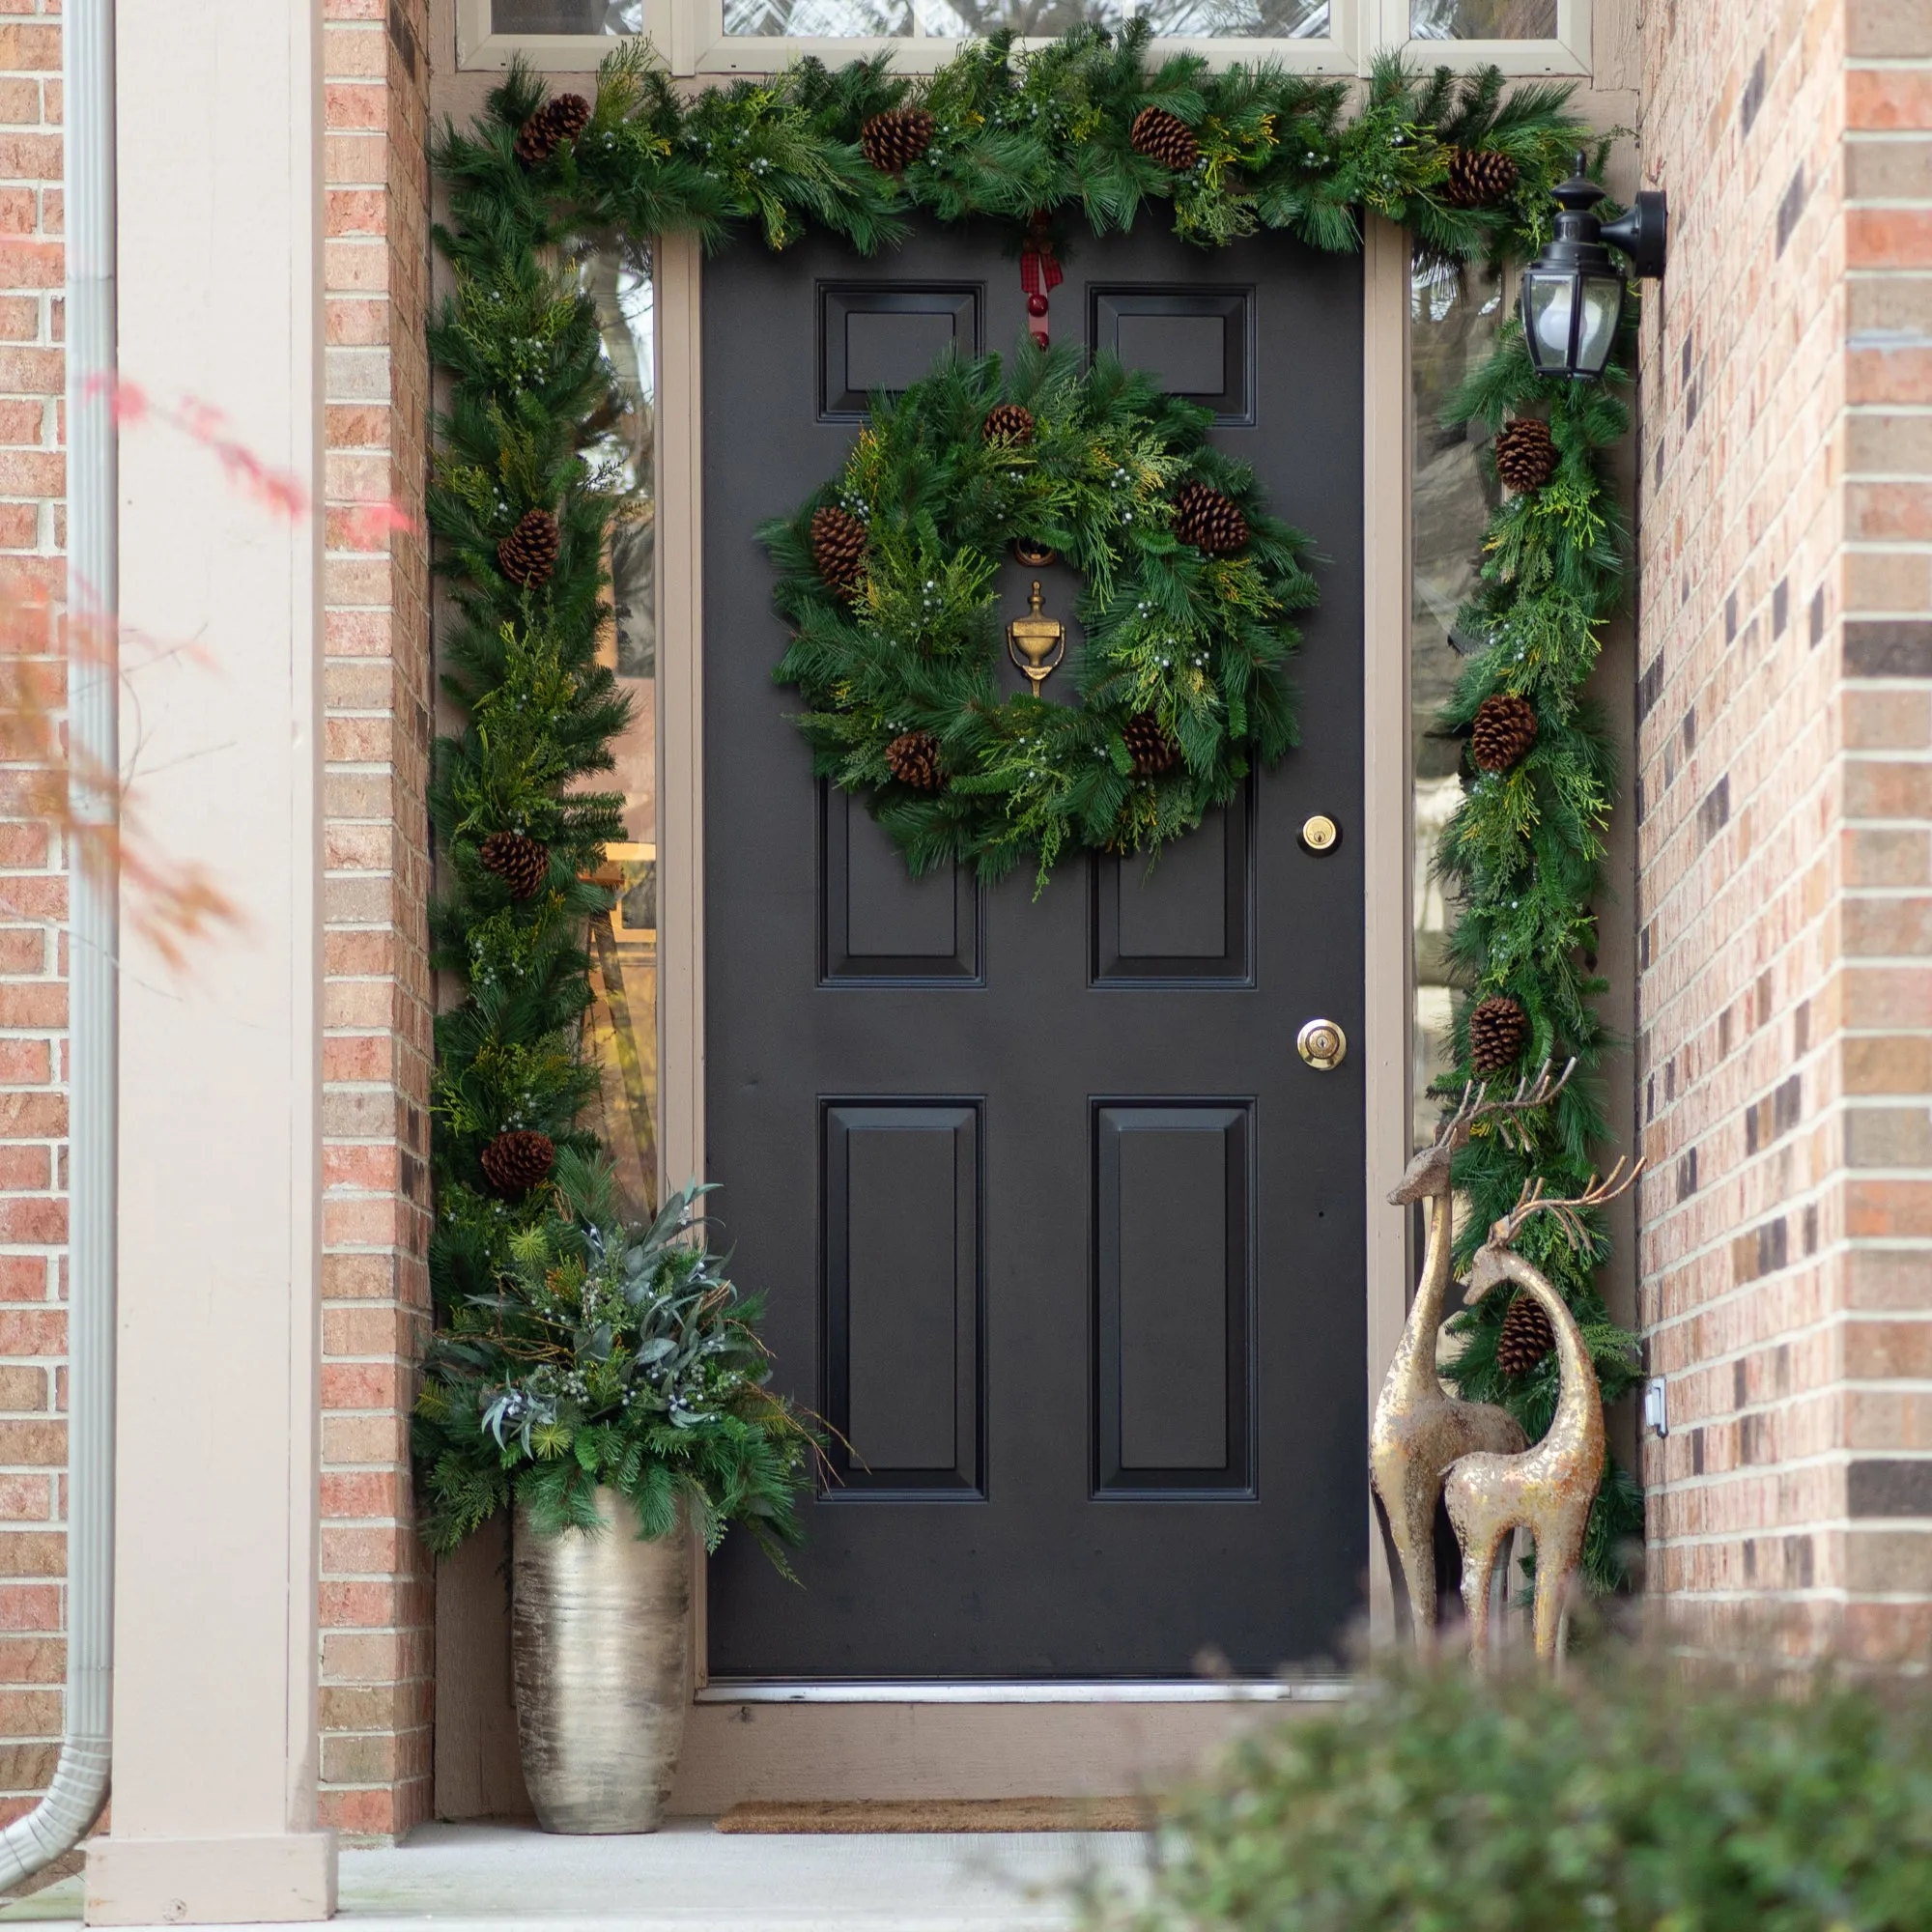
688 1878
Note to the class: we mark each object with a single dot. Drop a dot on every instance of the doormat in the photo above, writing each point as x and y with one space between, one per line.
942 1814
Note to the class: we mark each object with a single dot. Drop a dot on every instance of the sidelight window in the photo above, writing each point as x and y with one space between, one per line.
621 1025
1454 315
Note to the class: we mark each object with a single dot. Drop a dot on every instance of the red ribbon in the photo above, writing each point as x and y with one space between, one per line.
1039 276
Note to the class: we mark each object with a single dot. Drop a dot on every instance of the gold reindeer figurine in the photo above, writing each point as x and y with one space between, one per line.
1548 1490
1419 1429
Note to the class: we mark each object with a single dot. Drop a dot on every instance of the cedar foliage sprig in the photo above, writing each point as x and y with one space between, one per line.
1525 852
604 1357
1197 643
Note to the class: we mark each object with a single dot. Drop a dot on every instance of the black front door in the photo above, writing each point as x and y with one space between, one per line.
1057 1229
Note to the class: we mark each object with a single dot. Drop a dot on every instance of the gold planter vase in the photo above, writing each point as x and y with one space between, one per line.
600 1652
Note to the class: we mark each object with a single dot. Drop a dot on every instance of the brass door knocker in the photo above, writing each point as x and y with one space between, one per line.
1035 642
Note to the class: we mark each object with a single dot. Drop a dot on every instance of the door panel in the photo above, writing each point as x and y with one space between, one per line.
1174 1198
1185 920
886 337
1054 1224
902 1292
880 923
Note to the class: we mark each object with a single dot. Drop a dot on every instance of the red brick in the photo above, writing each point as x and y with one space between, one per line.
23 48
1887 100
30 1606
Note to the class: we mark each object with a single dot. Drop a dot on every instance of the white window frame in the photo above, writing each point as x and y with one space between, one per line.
691 34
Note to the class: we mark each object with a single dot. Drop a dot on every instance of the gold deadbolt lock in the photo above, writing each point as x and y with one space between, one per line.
1320 834
1322 1044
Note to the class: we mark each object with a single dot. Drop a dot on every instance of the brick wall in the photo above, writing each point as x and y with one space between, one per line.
33 901
1785 802
376 1663
377 1670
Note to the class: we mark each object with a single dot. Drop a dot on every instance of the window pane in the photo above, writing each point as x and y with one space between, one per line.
1453 321
567 16
1481 19
937 19
818 19
621 1028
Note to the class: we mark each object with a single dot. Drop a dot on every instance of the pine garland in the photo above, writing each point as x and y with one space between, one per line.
1041 140
1194 644
1525 852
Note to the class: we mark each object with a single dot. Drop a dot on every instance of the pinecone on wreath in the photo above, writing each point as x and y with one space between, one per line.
1525 1336
893 140
1526 456
515 1163
1008 422
1497 1029
556 124
528 554
1165 138
1478 178
838 548
521 862
913 758
1503 731
1209 521
1150 744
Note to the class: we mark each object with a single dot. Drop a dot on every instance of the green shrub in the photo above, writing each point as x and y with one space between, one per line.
1631 1795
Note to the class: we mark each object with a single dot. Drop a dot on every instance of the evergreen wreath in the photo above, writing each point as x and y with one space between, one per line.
1038 139
1179 670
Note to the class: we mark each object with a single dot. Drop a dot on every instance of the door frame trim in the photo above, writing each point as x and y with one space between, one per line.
1385 784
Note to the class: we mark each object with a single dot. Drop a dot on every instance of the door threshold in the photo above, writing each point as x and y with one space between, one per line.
1056 1691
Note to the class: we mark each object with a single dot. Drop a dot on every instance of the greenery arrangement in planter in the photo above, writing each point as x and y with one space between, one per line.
1629 1796
608 1379
609 1357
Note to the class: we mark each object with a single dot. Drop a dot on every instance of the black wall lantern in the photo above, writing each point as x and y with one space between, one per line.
1572 294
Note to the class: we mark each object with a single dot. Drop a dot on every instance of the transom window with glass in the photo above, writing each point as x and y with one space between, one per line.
755 35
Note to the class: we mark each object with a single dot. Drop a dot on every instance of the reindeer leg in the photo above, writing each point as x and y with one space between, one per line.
1553 1580
1479 1566
1415 1545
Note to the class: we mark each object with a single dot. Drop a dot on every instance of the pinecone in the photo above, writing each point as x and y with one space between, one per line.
1478 178
558 122
1526 1336
516 1162
1503 731
1166 138
1526 456
521 862
528 554
1150 744
1008 422
838 548
914 760
1209 521
1497 1029
892 141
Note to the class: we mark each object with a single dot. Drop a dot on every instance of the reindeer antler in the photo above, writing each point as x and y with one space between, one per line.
1478 1103
1568 1209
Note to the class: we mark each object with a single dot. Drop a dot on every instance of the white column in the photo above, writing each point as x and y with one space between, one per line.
220 236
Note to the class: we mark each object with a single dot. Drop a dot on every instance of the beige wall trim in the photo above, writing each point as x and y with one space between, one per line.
679 270
216 1540
1385 830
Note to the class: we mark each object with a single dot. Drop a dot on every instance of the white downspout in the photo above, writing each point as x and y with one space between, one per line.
79 1787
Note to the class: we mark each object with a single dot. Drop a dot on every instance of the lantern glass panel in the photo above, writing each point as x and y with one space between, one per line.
1602 305
1547 303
